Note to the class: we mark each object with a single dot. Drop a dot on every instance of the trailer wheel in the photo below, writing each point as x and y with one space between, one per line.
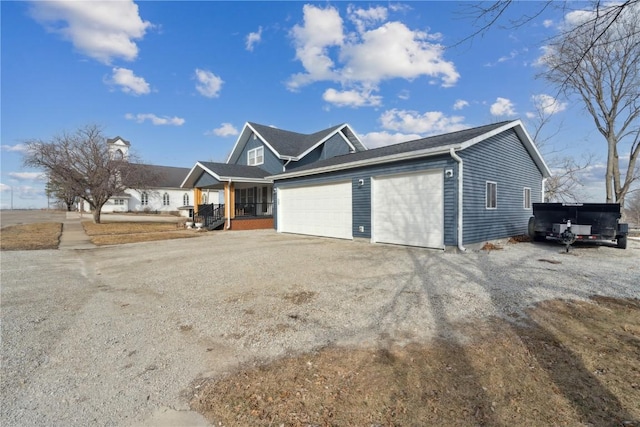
531 228
622 242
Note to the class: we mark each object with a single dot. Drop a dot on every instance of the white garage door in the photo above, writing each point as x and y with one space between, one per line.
318 210
409 209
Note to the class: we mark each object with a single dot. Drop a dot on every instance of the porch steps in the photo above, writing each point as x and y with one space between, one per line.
215 224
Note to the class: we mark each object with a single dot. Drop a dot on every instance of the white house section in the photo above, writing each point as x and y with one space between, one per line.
318 210
409 209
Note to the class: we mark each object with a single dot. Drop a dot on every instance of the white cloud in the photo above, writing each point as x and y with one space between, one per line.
4 187
547 104
429 123
381 139
502 107
460 104
547 23
367 57
253 38
18 148
103 30
28 176
322 29
363 18
158 121
209 85
351 98
129 82
225 129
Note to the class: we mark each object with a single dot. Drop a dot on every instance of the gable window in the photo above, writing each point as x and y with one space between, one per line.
255 156
526 198
144 199
203 199
185 200
165 199
491 195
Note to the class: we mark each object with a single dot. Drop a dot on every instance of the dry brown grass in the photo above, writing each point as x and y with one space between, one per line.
570 363
117 233
30 236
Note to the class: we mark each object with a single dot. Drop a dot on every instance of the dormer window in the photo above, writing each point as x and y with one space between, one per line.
255 157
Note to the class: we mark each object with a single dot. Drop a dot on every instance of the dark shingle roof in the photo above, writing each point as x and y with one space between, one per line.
291 144
168 176
112 140
231 170
437 141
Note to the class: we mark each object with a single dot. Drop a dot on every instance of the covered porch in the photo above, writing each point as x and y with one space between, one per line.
247 197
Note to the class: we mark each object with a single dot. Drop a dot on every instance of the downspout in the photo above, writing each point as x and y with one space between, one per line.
229 205
460 186
284 167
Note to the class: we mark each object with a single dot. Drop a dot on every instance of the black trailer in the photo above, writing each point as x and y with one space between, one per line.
580 222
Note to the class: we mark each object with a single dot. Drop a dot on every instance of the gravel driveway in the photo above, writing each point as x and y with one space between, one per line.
119 335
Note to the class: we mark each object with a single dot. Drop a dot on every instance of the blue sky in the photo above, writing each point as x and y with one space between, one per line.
179 79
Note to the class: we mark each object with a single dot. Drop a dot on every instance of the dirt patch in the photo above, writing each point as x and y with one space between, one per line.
116 233
31 236
568 363
299 298
491 247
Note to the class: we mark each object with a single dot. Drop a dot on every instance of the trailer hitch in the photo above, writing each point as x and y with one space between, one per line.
567 237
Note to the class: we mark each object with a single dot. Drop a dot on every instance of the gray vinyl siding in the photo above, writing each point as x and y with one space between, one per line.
504 160
361 195
272 163
206 180
334 146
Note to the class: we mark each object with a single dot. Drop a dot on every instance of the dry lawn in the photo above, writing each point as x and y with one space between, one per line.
569 363
116 233
30 236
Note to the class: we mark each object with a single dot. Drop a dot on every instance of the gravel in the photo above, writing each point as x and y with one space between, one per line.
113 335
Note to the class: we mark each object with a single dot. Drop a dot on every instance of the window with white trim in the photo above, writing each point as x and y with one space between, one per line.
165 199
491 195
144 199
526 198
255 156
185 199
203 199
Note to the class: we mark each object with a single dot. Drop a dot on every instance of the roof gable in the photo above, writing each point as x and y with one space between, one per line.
422 147
224 172
288 145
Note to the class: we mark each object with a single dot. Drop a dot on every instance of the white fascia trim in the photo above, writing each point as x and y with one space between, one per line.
240 138
244 179
368 162
323 140
524 137
184 183
264 141
222 178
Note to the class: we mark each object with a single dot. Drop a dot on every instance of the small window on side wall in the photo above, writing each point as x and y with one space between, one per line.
185 200
144 199
491 198
165 199
526 198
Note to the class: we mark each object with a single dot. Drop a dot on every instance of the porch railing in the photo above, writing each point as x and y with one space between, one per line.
211 214
253 209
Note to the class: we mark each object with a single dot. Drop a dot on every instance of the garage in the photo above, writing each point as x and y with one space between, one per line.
408 209
317 210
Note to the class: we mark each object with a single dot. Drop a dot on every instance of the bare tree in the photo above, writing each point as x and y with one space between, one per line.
601 65
632 208
81 164
564 185
65 196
